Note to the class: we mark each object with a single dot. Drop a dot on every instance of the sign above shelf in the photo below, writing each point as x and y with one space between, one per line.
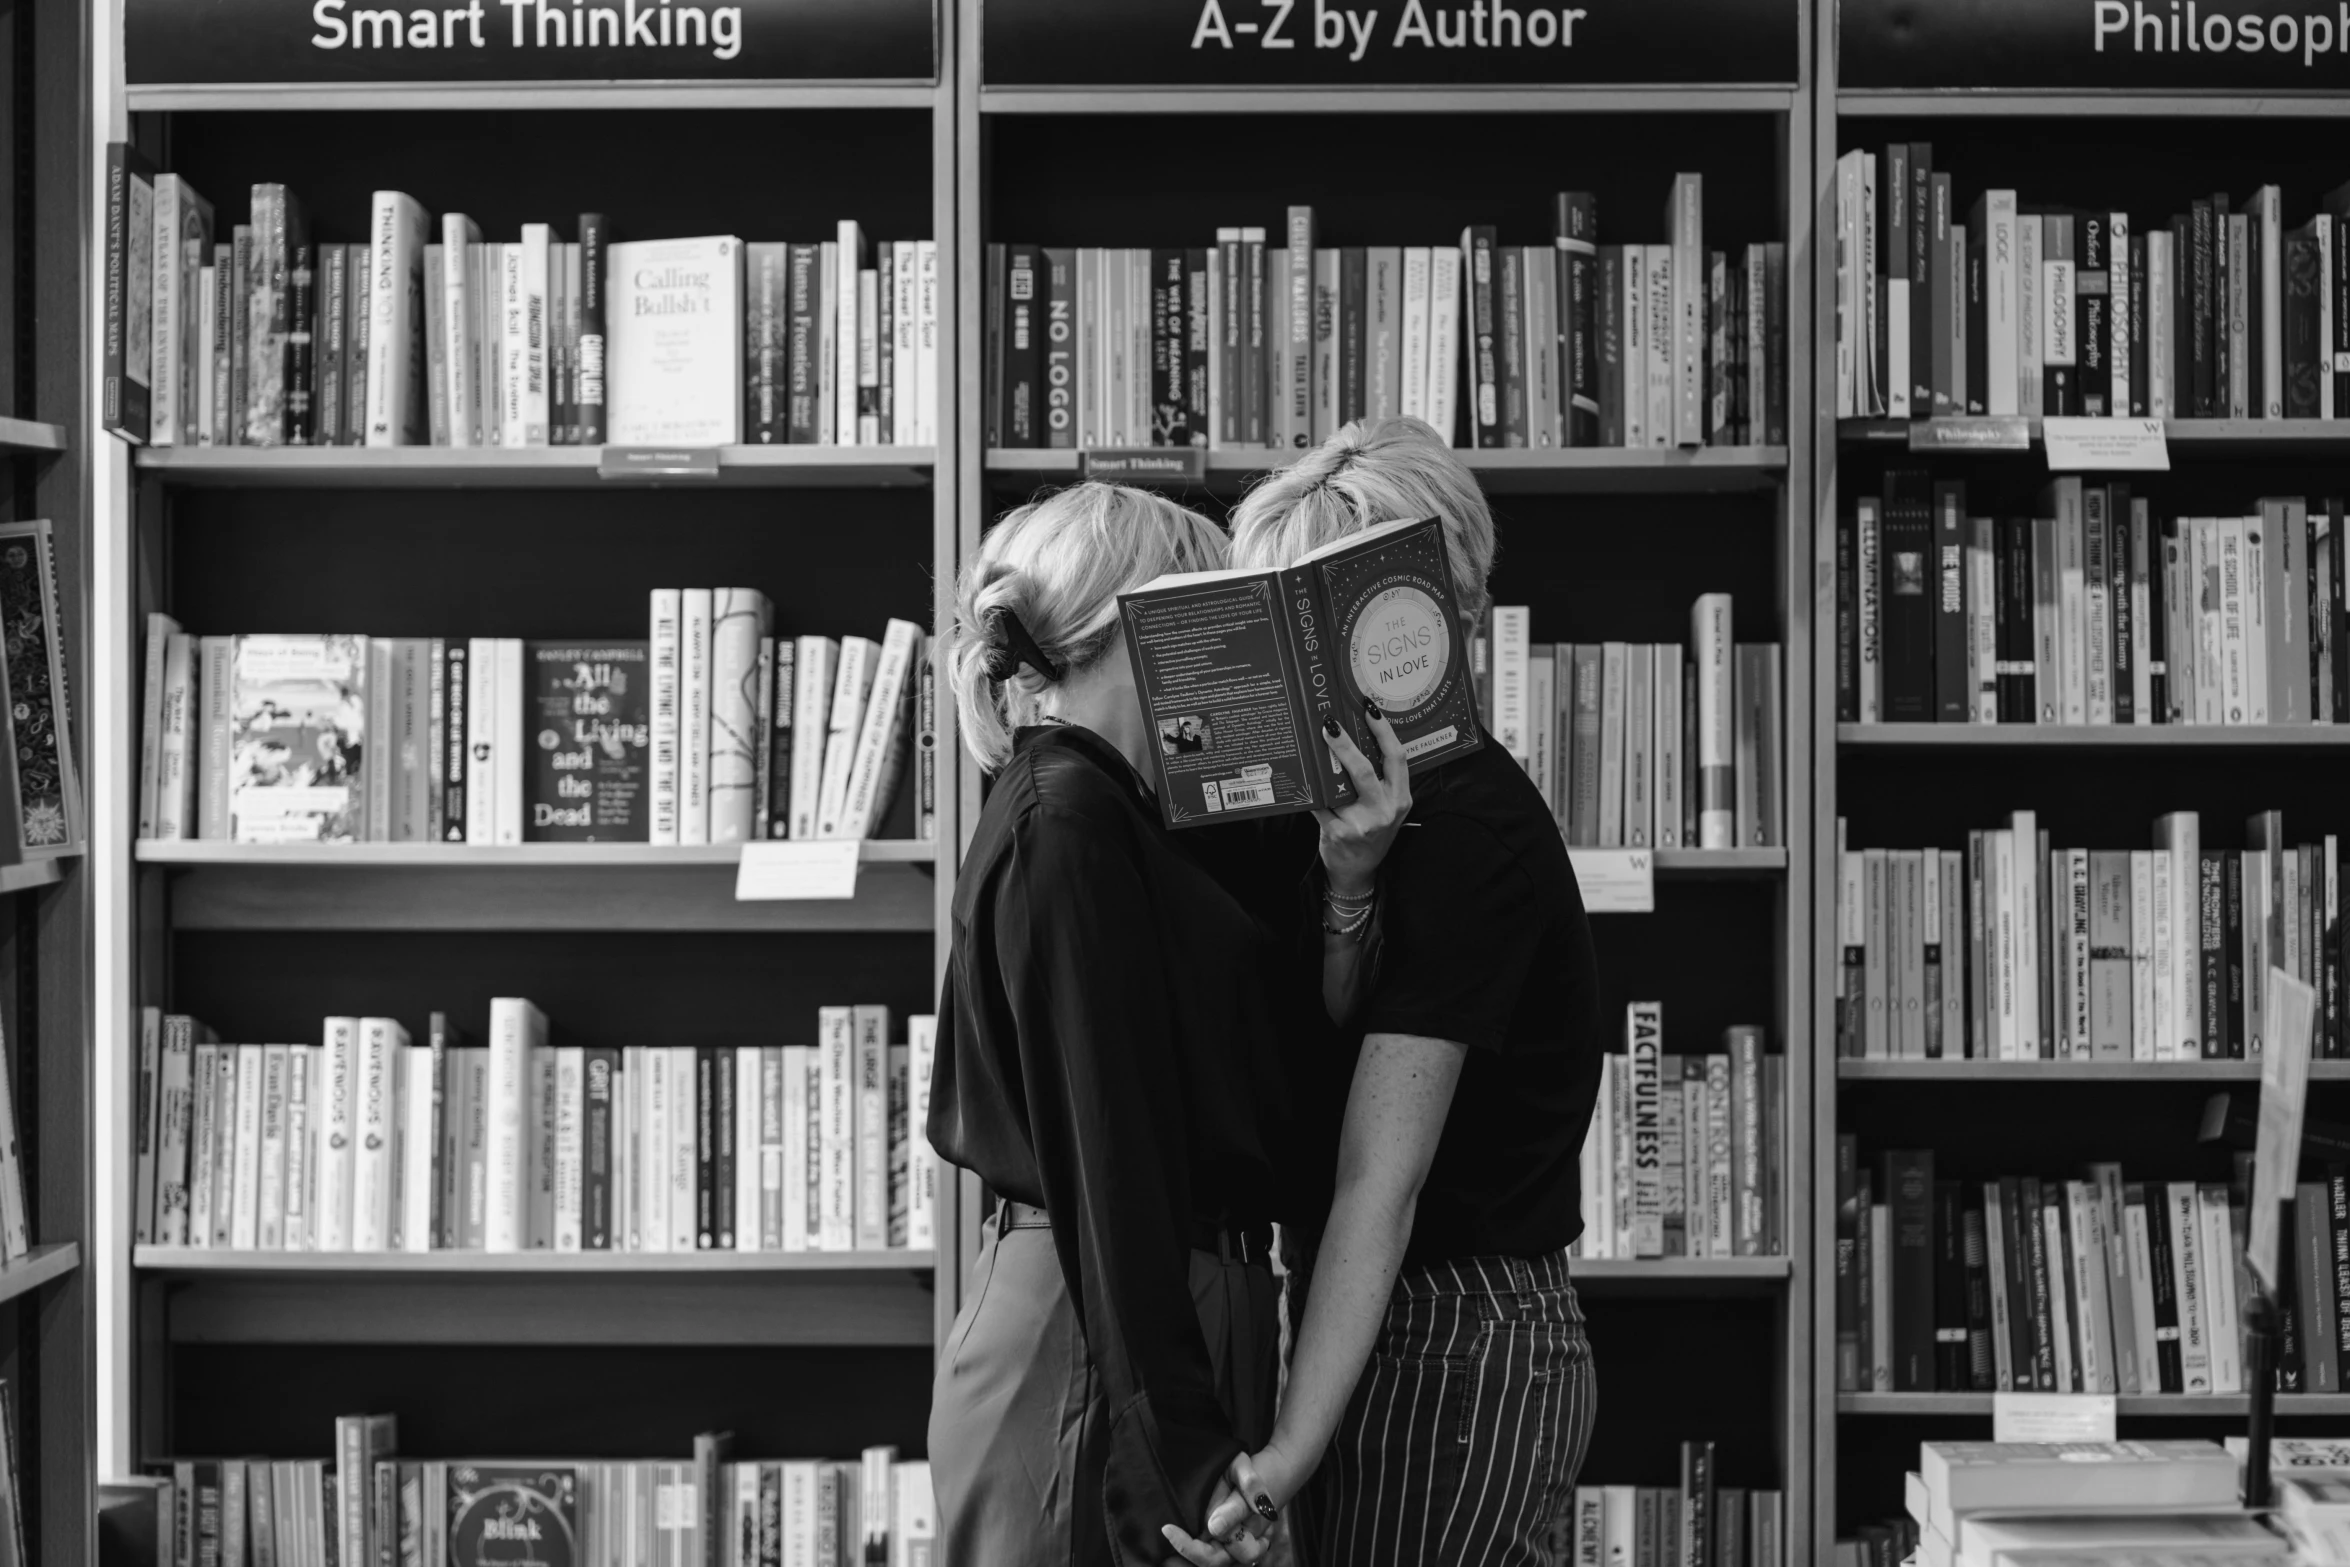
376 42
2091 46
1432 43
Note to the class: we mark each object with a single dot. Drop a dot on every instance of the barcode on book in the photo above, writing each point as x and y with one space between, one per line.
1253 787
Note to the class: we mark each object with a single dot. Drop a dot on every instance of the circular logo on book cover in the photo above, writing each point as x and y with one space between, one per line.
502 1519
1399 647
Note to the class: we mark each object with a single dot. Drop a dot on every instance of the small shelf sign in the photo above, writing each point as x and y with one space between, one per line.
788 872
2052 1417
1615 881
2105 445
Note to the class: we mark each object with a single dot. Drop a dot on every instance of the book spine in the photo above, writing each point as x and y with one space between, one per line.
1711 651
1577 231
1478 267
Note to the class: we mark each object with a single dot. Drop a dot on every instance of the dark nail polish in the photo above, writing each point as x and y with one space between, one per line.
1265 1508
1330 727
1371 711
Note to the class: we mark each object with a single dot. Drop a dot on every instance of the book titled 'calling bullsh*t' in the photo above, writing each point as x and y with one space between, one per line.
1238 670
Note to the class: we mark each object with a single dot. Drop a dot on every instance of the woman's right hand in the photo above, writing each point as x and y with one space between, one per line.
1357 836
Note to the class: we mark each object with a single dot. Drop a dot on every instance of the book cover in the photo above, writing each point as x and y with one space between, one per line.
591 734
673 342
1239 669
297 741
513 1516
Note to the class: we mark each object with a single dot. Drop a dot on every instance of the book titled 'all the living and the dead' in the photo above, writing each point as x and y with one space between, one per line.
1239 669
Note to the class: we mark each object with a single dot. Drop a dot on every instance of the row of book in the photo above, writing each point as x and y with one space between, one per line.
711 730
2090 611
41 803
2090 1284
270 337
2014 308
2017 951
1698 1523
1637 745
1247 344
1685 1155
369 1142
366 1504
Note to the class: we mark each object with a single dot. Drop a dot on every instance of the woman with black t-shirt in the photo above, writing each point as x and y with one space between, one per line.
1468 1069
1107 1063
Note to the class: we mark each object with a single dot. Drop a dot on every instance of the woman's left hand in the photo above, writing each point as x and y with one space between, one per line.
1357 836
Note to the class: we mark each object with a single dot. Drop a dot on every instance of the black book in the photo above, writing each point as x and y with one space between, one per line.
2232 951
2154 542
1056 292
1509 333
1611 345
302 346
1576 238
2306 357
2118 569
2211 980
1976 1255
2140 370
766 336
804 343
2161 1264
1906 646
2044 1274
590 717
2018 693
1847 626
1699 1528
1953 697
602 1073
2292 1347
784 695
2182 315
455 690
705 1149
1978 323
1909 1197
2337 602
2060 346
723 1086
1921 279
1851 1372
1480 329
2203 300
1354 324
2338 1221
1945 305
1014 323
1170 333
1953 1368
594 234
1195 346
334 277
2093 313
995 333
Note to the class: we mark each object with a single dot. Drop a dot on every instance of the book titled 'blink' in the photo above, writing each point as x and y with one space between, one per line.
1238 671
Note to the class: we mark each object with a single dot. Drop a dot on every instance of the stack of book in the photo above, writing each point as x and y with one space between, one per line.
1686 1154
2092 1284
2015 951
2006 307
2088 611
371 1142
2083 1504
1699 1520
1642 746
1248 345
712 730
269 337
366 1504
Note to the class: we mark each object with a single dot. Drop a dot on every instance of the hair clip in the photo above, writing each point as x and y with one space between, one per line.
1009 646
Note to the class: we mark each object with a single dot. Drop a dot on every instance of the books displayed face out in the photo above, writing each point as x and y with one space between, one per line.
41 813
714 1511
1698 1520
2091 611
1239 670
1637 746
1686 1154
373 1142
1245 344
711 730
2007 307
273 337
2017 951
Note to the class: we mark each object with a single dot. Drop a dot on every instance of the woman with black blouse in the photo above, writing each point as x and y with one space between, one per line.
1108 1063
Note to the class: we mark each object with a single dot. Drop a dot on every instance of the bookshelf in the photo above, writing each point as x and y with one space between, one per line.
533 468
2012 95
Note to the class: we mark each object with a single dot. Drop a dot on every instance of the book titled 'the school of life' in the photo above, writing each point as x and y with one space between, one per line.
1238 669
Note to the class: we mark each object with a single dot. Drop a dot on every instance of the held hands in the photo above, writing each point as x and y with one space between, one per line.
1241 1515
1357 836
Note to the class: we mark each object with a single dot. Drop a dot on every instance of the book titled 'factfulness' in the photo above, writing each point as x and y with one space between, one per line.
1239 669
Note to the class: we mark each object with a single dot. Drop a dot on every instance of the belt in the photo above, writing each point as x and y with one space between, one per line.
1242 1243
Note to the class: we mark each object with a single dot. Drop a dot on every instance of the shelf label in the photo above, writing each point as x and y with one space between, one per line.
658 462
1145 464
1615 881
2088 46
2052 1417
1970 435
1348 43
354 42
783 872
2105 445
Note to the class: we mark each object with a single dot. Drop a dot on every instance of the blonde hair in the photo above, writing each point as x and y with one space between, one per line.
1370 472
1059 564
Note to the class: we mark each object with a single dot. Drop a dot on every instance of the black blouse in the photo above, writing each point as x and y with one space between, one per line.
1107 1050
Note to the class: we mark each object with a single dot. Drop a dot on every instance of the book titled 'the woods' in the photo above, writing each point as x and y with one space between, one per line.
1239 669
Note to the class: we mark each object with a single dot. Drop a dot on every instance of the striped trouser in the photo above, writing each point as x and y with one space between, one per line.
1465 1434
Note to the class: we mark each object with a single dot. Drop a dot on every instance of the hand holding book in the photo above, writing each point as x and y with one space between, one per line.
1357 835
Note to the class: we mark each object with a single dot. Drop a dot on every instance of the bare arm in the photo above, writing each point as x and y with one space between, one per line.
1355 838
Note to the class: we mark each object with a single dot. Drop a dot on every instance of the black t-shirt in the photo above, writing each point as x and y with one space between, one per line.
1482 939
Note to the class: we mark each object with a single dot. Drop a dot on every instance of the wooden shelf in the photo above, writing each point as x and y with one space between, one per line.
24 877
240 96
19 436
518 1264
2097 737
37 1267
2091 104
536 886
2310 439
1396 99
1915 1071
528 467
1583 470
1680 1276
2210 1405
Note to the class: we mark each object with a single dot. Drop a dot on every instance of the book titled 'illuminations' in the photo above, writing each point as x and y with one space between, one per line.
1239 669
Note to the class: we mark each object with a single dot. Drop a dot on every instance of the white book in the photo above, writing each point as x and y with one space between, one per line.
2000 284
182 223
481 743
1685 223
513 342
673 342
2159 344
174 1125
1511 627
2165 979
2180 832
2218 1254
2253 597
1611 745
693 716
2028 869
517 1029
749 1148
206 309
1660 302
667 655
374 1168
460 363
837 1156
2028 310
511 764
203 1139
570 1184
868 356
652 1149
904 287
925 388
739 623
683 1148
852 685
1711 649
827 344
1897 376
2139 1281
2187 1278
269 1226
815 664
2143 1035
871 1066
1638 324
923 1177
2118 361
2268 210
299 1232
529 356
1412 367
1999 907
168 797
792 1175
244 1186
337 1127
1444 341
849 246
1667 748
396 403
2072 607
420 1140
881 736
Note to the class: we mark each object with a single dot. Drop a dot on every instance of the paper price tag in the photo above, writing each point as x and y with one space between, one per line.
780 872
2105 445
1615 881
2052 1417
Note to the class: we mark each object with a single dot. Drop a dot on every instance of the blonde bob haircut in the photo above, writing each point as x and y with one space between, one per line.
1371 472
1059 564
